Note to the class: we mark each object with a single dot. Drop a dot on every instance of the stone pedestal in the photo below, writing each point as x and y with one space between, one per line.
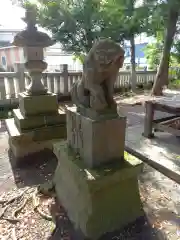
97 200
96 140
36 124
95 184
31 105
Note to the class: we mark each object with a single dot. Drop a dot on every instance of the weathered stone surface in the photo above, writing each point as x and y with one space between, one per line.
33 43
27 123
100 115
97 200
35 140
97 141
34 105
101 67
37 122
30 37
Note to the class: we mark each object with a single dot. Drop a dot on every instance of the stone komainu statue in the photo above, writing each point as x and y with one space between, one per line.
101 67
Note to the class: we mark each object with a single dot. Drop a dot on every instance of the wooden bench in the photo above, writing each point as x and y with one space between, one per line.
168 124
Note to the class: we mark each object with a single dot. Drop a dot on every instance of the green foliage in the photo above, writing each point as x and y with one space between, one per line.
174 72
176 52
158 14
126 19
153 51
24 3
75 25
79 57
174 84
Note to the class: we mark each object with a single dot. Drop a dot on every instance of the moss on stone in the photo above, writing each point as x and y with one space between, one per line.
97 200
103 170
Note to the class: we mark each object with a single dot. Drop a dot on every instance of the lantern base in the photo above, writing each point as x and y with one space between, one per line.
25 124
36 124
32 105
24 144
29 92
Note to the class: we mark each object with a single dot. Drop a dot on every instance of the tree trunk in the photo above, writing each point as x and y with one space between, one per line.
133 64
162 74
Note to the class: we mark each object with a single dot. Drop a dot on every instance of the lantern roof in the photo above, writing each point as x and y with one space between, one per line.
31 37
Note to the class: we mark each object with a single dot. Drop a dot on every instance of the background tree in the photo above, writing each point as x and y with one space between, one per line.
176 52
76 24
129 20
153 51
163 15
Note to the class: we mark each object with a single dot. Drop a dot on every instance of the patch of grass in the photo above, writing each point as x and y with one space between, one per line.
130 157
174 84
5 114
145 86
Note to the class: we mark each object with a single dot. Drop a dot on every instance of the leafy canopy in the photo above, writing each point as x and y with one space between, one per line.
77 23
74 23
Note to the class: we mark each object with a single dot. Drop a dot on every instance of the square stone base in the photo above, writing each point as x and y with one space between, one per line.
34 140
96 141
97 200
34 105
27 123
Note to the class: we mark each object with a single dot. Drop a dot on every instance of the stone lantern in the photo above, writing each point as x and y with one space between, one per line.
33 42
38 121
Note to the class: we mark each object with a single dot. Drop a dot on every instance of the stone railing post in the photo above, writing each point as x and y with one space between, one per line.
64 68
145 77
19 69
2 88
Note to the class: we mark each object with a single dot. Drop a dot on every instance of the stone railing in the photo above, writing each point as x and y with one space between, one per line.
11 83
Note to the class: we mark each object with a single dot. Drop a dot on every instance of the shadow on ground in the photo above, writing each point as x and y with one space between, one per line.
141 229
40 168
35 170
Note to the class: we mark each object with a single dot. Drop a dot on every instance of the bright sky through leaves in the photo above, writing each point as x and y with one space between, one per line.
10 15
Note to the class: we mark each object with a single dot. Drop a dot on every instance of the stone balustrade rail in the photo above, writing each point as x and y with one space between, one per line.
11 83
